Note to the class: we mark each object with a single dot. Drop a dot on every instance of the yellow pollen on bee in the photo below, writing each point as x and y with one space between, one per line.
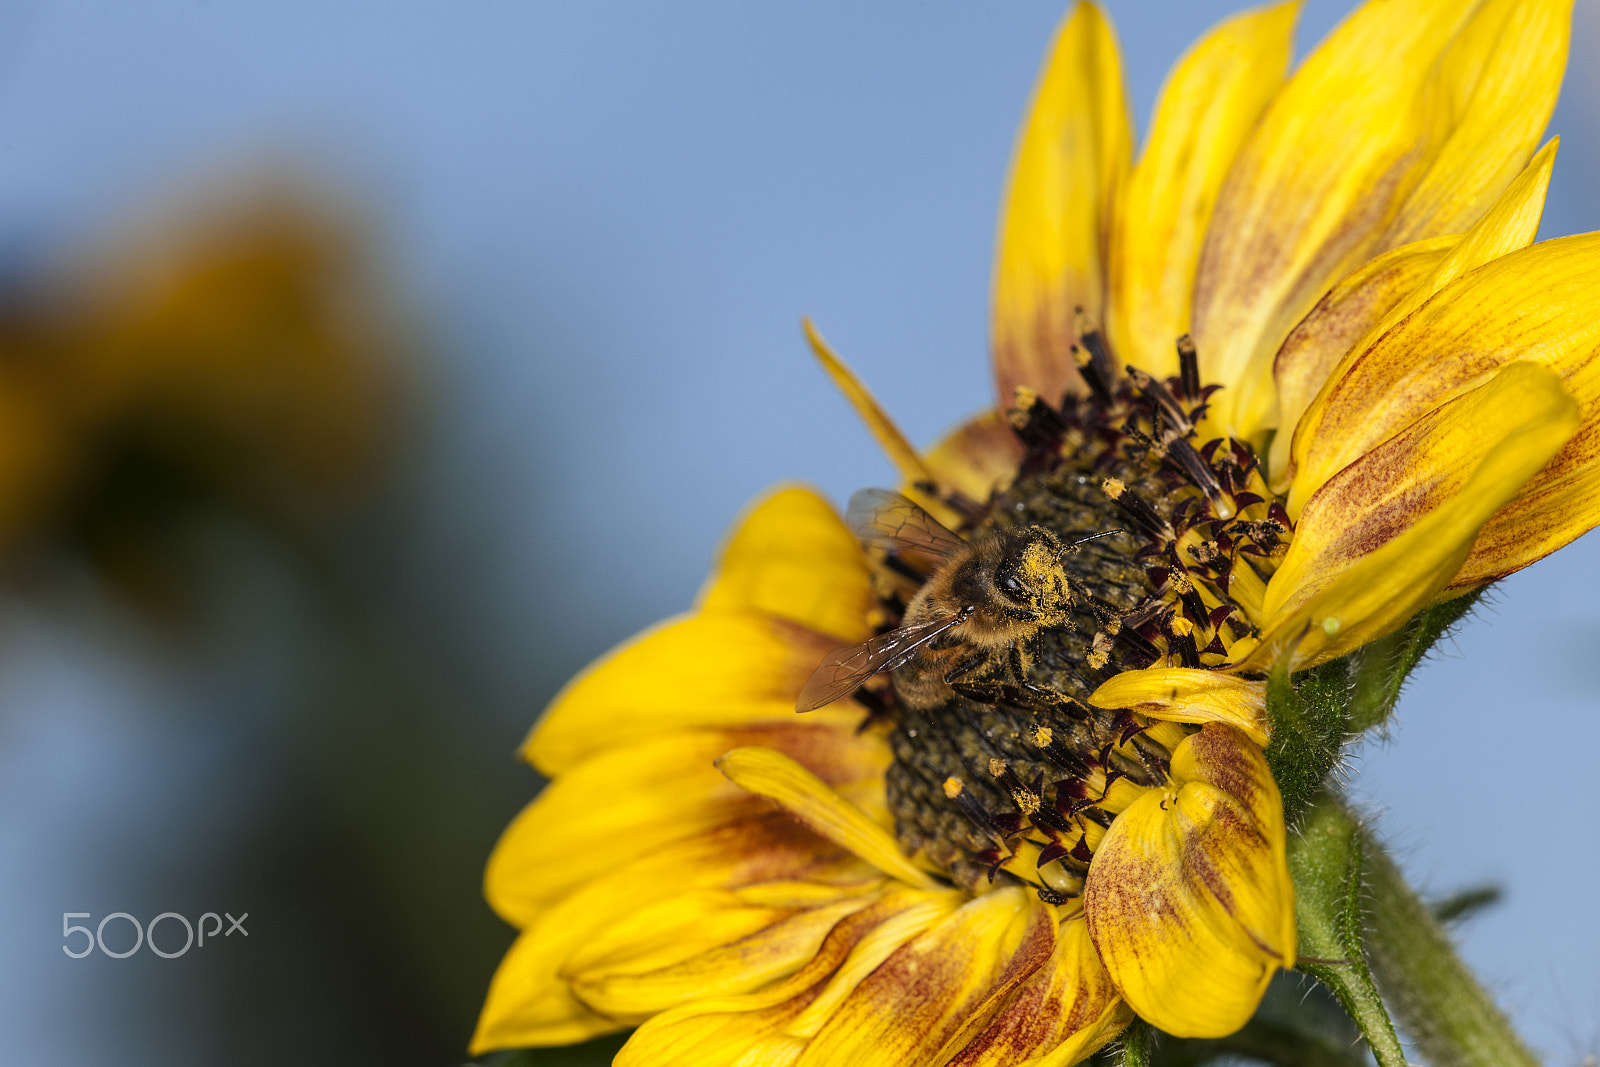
952 787
1043 735
1037 563
1182 626
997 767
1114 487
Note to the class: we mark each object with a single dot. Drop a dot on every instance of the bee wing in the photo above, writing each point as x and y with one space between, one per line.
843 670
885 519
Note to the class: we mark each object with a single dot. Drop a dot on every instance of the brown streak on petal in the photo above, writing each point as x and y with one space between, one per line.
773 847
1533 304
1226 822
1228 764
946 979
841 940
977 458
1558 505
831 754
1340 319
1044 361
1537 523
1069 998
1038 947
1344 247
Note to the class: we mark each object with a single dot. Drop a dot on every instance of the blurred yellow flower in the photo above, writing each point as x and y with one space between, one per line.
230 351
1304 357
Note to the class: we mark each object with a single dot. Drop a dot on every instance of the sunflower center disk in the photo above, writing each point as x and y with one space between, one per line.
1021 781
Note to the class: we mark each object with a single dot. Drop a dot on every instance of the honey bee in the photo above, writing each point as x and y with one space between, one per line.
969 629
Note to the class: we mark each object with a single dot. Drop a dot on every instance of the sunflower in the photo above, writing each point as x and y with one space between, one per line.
224 352
1292 380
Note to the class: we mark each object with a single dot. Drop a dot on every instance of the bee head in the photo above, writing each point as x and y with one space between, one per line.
1030 585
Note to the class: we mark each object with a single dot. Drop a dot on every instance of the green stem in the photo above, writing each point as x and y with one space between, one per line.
1439 1003
1137 1043
1327 860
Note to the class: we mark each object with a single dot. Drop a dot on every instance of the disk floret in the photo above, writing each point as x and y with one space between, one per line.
1188 535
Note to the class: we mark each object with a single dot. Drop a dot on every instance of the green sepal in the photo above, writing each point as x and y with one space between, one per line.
1462 905
1376 673
1314 713
1308 717
1325 860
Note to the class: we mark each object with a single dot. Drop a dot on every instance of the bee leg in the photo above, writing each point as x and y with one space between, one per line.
1028 696
981 690
1101 610
990 692
1016 691
1037 696
964 668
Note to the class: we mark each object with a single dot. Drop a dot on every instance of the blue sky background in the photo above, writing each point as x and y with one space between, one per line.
611 217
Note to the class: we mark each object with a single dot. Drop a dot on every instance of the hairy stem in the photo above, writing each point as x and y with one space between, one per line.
1135 1047
1327 858
1436 999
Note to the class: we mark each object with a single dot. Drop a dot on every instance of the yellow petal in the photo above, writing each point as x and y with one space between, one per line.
955 974
1060 1015
724 668
1383 537
792 556
773 775
772 1026
530 1003
665 930
977 458
1210 103
647 794
1179 694
1346 314
527 1006
666 953
1071 157
1540 304
882 427
1558 505
1494 92
1511 224
1313 192
1188 897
